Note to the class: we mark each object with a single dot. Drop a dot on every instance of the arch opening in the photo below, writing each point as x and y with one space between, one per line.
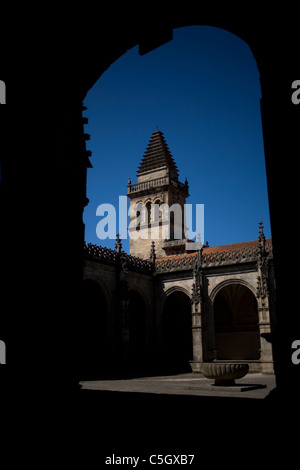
179 79
177 332
236 323
134 333
93 351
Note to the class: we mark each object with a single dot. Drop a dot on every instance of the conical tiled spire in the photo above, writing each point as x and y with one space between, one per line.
157 155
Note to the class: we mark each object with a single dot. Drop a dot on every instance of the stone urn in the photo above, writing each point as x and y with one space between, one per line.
224 373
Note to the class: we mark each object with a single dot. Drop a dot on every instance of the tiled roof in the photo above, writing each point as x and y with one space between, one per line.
221 255
219 249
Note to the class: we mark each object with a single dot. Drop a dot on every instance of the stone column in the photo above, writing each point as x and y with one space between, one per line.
122 299
123 292
197 339
264 323
264 331
197 311
278 68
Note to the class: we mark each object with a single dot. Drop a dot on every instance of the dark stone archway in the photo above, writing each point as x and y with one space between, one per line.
43 174
135 347
177 332
236 324
93 346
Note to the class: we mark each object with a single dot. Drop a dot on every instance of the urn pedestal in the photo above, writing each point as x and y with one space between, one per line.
224 373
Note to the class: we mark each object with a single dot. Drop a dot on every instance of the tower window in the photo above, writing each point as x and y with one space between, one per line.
148 213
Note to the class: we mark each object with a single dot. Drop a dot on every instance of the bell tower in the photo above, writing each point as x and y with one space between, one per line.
157 203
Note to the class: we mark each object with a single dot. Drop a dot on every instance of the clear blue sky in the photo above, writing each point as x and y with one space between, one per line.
202 90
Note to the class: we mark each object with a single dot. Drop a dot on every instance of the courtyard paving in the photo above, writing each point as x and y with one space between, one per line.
253 385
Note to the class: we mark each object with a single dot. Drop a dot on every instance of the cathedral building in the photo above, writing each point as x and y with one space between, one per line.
164 307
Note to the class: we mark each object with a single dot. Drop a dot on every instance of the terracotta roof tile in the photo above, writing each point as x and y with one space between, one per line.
219 249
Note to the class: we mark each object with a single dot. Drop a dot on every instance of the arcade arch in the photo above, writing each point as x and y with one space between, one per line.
236 322
93 357
135 330
177 331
